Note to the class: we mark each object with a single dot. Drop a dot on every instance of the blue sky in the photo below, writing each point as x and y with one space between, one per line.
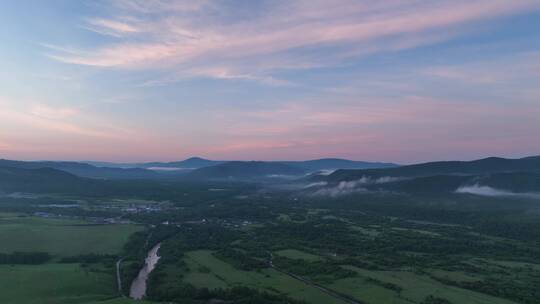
402 81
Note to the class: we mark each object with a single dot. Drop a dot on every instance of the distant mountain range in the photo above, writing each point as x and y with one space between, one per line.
493 184
187 164
197 162
38 180
190 167
242 170
481 166
83 169
337 163
491 176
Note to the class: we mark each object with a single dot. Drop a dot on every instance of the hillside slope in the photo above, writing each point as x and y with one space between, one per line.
476 167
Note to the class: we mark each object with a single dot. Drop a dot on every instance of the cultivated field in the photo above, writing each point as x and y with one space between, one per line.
53 284
61 237
415 288
222 275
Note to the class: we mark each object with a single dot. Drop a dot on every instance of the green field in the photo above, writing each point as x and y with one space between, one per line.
54 284
61 237
59 283
415 289
224 275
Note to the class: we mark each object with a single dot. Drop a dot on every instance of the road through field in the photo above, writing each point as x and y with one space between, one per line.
118 276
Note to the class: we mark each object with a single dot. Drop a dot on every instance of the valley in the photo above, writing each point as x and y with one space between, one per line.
371 241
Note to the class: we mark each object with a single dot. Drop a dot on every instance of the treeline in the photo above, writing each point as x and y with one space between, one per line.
386 285
188 294
90 258
389 250
435 300
520 229
317 270
25 258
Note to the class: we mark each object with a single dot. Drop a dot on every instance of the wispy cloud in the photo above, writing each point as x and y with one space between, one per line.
41 117
517 67
341 189
220 73
111 27
372 126
158 6
190 38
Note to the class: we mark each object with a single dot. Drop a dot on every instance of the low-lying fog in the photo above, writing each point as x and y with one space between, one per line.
477 189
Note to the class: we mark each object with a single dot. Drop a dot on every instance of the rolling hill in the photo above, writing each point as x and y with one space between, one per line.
489 177
476 167
83 169
187 164
38 180
197 162
337 163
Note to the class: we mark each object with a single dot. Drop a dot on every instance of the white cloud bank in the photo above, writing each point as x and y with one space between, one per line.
477 189
350 187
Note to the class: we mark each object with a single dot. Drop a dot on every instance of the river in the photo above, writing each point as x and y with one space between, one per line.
138 287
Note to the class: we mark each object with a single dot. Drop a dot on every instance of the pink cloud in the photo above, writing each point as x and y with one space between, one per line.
406 129
213 50
40 118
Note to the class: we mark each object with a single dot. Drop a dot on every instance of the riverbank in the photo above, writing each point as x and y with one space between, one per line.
138 286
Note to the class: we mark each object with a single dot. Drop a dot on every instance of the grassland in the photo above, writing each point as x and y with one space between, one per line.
61 237
222 275
415 288
59 283
54 284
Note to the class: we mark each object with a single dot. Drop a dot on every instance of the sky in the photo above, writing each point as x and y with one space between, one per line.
153 80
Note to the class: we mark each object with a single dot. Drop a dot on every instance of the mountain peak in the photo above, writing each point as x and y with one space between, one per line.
196 158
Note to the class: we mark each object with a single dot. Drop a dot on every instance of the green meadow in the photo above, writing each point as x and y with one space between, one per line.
222 275
53 284
415 288
61 237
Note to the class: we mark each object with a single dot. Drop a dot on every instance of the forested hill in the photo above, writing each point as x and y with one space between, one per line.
476 167
337 163
83 169
38 180
198 162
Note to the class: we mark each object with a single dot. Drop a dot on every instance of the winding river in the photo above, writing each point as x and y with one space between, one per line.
138 287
